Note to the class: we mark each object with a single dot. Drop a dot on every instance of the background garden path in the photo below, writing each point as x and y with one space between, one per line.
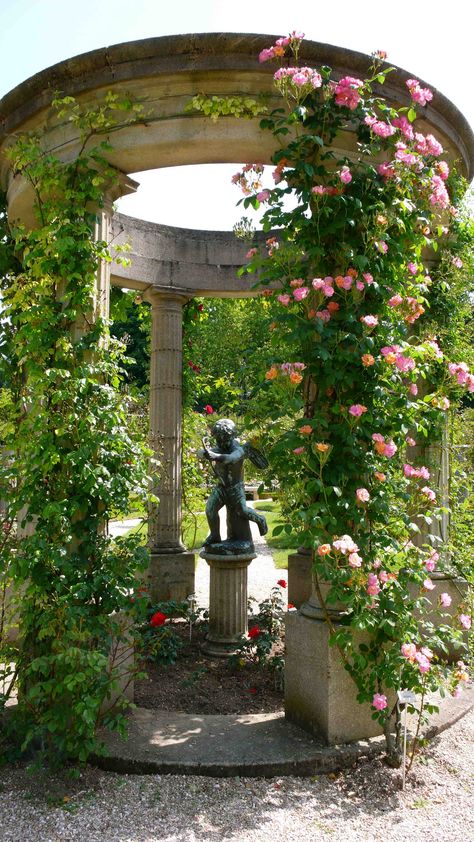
262 573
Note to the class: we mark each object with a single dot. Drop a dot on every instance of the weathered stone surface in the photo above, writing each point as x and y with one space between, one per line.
228 611
167 72
171 575
299 578
320 696
254 745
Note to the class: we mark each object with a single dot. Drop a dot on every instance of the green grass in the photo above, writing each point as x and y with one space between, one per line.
283 544
196 530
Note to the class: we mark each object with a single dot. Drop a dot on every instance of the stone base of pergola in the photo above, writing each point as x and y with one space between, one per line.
171 575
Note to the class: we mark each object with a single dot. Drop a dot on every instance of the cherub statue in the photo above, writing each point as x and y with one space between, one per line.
228 465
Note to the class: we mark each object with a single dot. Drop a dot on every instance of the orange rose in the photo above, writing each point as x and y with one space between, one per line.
378 474
367 359
306 429
323 448
339 281
380 447
391 358
333 306
324 549
271 373
295 377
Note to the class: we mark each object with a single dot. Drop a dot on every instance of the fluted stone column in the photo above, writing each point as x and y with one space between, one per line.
228 610
171 574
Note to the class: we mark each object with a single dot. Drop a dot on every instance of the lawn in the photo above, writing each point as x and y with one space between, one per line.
195 530
283 544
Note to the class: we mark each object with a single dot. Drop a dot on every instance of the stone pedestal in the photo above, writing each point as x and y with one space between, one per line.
320 696
299 577
228 612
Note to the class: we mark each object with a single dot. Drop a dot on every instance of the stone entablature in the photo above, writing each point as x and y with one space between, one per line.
197 263
165 73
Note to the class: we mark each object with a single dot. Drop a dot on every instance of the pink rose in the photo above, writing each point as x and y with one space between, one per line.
379 702
345 175
298 450
362 495
428 585
465 621
408 651
266 55
347 92
373 587
370 321
445 600
300 293
418 94
355 560
284 299
395 301
357 410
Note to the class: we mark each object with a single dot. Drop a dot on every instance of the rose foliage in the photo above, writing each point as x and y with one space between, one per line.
351 270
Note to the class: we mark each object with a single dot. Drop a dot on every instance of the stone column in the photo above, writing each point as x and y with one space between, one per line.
171 571
228 609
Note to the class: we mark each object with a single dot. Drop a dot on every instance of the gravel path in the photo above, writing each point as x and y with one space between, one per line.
364 804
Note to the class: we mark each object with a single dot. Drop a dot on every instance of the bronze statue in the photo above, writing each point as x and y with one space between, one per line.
227 460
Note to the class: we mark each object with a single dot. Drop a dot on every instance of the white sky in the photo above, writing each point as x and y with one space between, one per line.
432 40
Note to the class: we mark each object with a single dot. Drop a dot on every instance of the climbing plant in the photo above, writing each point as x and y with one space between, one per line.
71 459
362 272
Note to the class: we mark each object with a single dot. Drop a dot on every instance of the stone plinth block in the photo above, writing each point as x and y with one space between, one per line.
320 696
171 576
122 661
228 612
299 578
457 589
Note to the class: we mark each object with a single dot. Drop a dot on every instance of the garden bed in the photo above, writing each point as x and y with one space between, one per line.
198 683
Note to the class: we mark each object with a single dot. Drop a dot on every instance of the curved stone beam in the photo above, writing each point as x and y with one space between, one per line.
166 73
195 263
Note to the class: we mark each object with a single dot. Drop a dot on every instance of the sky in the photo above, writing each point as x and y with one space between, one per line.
431 40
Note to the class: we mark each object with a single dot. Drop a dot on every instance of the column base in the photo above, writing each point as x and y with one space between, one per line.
171 575
299 578
320 696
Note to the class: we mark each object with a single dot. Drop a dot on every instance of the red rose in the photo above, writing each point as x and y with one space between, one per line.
282 583
254 632
290 605
208 408
158 619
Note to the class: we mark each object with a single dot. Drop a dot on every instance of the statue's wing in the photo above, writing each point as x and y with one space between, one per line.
256 457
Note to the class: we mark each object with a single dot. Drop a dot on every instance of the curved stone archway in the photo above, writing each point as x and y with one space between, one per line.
165 73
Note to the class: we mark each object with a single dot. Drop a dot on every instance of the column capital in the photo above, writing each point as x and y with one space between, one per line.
157 296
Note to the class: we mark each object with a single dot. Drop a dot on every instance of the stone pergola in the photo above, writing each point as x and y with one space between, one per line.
170 265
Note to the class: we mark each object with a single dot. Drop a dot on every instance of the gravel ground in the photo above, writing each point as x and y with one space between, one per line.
364 804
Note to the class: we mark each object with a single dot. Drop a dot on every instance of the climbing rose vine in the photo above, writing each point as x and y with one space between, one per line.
350 271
